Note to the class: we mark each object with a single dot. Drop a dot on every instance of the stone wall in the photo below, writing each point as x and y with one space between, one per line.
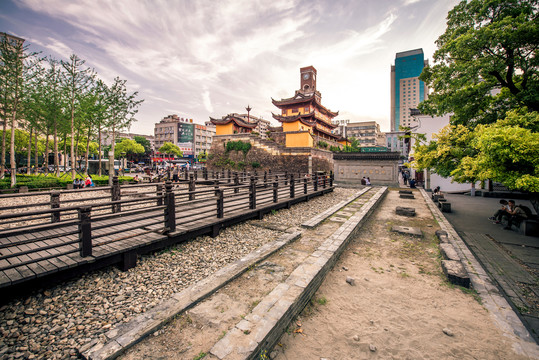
270 156
381 168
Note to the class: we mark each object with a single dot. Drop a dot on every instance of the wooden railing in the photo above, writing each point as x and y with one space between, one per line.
35 243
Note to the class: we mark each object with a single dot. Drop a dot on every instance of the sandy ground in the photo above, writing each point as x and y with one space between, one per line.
400 307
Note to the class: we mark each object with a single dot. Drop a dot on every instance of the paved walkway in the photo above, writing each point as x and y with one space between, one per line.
510 259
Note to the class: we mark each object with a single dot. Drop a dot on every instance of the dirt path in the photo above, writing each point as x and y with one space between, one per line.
401 306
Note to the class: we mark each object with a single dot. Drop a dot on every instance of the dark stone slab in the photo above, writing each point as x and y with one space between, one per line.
455 272
405 211
407 230
436 197
405 192
445 206
448 252
442 236
406 196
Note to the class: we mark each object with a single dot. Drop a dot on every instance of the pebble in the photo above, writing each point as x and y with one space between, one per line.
372 347
78 312
356 337
350 280
448 332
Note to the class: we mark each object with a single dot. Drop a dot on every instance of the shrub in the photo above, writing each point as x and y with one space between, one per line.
241 165
334 148
322 144
255 164
238 146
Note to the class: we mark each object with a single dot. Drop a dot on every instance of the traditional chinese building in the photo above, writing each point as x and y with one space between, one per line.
304 119
232 124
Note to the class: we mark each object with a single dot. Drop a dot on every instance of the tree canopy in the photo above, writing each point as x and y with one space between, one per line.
128 146
486 75
170 148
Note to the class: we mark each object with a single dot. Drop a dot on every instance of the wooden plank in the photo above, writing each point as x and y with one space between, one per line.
4 280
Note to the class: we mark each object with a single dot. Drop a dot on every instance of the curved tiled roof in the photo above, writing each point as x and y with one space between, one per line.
300 98
230 118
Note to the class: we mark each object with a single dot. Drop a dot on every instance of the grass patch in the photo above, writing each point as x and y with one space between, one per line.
201 355
322 301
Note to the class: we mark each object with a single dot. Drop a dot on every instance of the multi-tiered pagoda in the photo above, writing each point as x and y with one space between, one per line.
304 119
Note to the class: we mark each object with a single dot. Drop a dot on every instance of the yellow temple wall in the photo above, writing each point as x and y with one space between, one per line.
301 110
303 139
227 129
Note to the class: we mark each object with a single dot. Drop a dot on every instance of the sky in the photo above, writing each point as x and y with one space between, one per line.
208 58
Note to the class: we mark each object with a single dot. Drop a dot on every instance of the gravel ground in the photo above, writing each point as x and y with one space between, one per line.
53 322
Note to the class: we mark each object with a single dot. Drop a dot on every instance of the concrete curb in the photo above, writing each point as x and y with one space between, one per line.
260 330
315 221
501 311
128 334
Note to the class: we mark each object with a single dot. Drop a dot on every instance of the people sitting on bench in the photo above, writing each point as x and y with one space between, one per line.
497 217
515 214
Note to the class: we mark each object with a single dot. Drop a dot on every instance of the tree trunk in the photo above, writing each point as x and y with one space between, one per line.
29 151
46 159
111 156
65 152
87 155
73 135
77 149
99 150
3 160
56 162
35 151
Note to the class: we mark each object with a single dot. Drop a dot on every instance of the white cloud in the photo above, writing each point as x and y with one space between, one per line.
207 101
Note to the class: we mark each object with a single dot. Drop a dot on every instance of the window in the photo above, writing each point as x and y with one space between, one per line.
295 110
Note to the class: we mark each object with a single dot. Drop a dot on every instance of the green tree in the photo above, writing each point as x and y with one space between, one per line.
170 148
122 108
145 143
16 67
486 62
486 75
75 80
129 147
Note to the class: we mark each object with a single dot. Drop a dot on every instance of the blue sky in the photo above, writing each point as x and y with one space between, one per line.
209 58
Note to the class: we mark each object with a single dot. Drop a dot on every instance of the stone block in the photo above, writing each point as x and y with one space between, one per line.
529 227
455 272
406 196
405 211
445 207
435 197
448 252
407 230
406 192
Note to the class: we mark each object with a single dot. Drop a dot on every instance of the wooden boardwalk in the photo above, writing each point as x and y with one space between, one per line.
61 245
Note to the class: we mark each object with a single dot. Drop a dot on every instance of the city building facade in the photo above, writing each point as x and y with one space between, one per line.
366 132
395 142
407 91
192 139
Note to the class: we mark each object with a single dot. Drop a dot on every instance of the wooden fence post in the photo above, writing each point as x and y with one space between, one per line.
265 179
55 204
159 189
220 204
236 183
252 193
315 182
331 177
191 187
324 181
170 209
216 186
229 177
205 173
285 178
305 185
275 191
85 231
115 194
292 186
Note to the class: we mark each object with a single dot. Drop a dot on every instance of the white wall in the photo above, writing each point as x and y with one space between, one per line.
429 126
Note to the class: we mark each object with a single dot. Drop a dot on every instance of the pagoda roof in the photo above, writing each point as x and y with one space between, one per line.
303 118
307 119
225 120
300 98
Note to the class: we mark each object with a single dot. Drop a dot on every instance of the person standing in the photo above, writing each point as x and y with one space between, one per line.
175 173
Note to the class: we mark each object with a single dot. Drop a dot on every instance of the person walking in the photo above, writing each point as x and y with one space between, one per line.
175 173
